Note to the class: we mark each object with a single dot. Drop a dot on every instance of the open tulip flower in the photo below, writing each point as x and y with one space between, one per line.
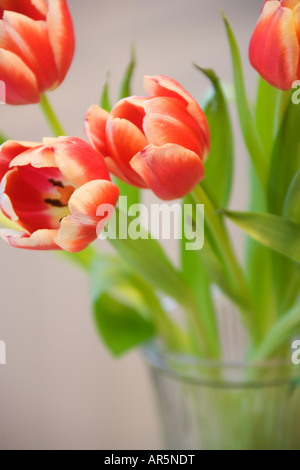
52 191
157 142
36 47
275 45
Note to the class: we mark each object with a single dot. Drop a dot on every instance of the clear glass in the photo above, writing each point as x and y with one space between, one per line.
206 405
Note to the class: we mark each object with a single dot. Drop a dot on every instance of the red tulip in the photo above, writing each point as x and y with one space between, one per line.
36 47
158 142
275 45
52 191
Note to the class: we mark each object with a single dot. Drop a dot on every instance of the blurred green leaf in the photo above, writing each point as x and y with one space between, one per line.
291 209
287 328
146 256
285 163
277 233
105 102
120 306
266 113
125 89
131 192
287 272
285 159
3 138
196 276
258 257
248 125
219 166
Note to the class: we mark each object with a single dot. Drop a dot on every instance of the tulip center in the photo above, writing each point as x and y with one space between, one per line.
65 193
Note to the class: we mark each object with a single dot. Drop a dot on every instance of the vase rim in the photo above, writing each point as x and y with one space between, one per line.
201 370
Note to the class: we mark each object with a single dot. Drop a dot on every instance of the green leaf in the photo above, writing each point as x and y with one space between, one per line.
291 209
285 159
288 273
266 113
258 257
125 89
105 102
196 277
287 328
120 306
132 193
259 267
248 125
148 259
277 233
219 166
146 256
285 163
3 138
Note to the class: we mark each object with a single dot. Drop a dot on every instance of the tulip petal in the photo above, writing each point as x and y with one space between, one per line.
14 71
35 9
274 49
131 109
9 150
289 3
160 85
95 125
61 35
39 240
116 170
79 229
39 157
25 191
167 121
74 236
86 199
77 160
6 205
296 14
124 140
30 41
170 171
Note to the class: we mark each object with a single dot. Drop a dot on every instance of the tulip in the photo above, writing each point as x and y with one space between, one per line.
275 45
52 192
36 47
158 142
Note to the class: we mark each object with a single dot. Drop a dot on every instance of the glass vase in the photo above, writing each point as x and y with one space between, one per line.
228 405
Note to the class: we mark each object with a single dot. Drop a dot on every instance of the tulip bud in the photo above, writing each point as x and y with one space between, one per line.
157 142
275 44
36 47
53 192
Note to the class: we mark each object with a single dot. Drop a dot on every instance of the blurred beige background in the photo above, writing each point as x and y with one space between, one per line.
60 388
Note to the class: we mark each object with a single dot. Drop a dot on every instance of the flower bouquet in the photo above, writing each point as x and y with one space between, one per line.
219 333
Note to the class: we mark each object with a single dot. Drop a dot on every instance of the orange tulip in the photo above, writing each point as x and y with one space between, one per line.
157 142
275 45
52 191
36 47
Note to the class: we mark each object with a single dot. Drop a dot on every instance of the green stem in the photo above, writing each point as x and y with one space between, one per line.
51 117
283 100
283 331
173 336
220 241
149 260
